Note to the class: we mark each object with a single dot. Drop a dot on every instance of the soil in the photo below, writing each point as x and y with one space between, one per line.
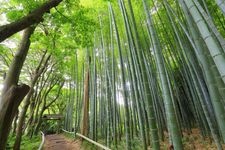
60 142
193 141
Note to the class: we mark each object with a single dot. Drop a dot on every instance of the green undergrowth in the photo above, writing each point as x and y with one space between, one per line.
26 144
68 135
136 144
89 146
85 144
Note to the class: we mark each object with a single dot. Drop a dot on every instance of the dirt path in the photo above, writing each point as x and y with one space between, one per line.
60 142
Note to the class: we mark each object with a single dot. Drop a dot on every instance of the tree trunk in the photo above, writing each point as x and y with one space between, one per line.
21 121
34 17
36 101
84 123
46 106
39 120
12 94
22 116
15 122
13 98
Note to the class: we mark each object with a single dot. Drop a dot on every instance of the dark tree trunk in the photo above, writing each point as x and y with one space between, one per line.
13 94
13 98
34 17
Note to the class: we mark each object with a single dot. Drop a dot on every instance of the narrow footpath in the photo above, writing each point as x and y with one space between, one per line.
60 142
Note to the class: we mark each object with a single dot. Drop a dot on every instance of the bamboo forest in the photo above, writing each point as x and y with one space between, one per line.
112 74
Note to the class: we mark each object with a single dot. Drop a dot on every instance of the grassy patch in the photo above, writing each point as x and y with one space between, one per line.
26 144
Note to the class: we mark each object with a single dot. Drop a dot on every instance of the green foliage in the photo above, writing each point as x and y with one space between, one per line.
50 126
26 144
14 15
16 9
